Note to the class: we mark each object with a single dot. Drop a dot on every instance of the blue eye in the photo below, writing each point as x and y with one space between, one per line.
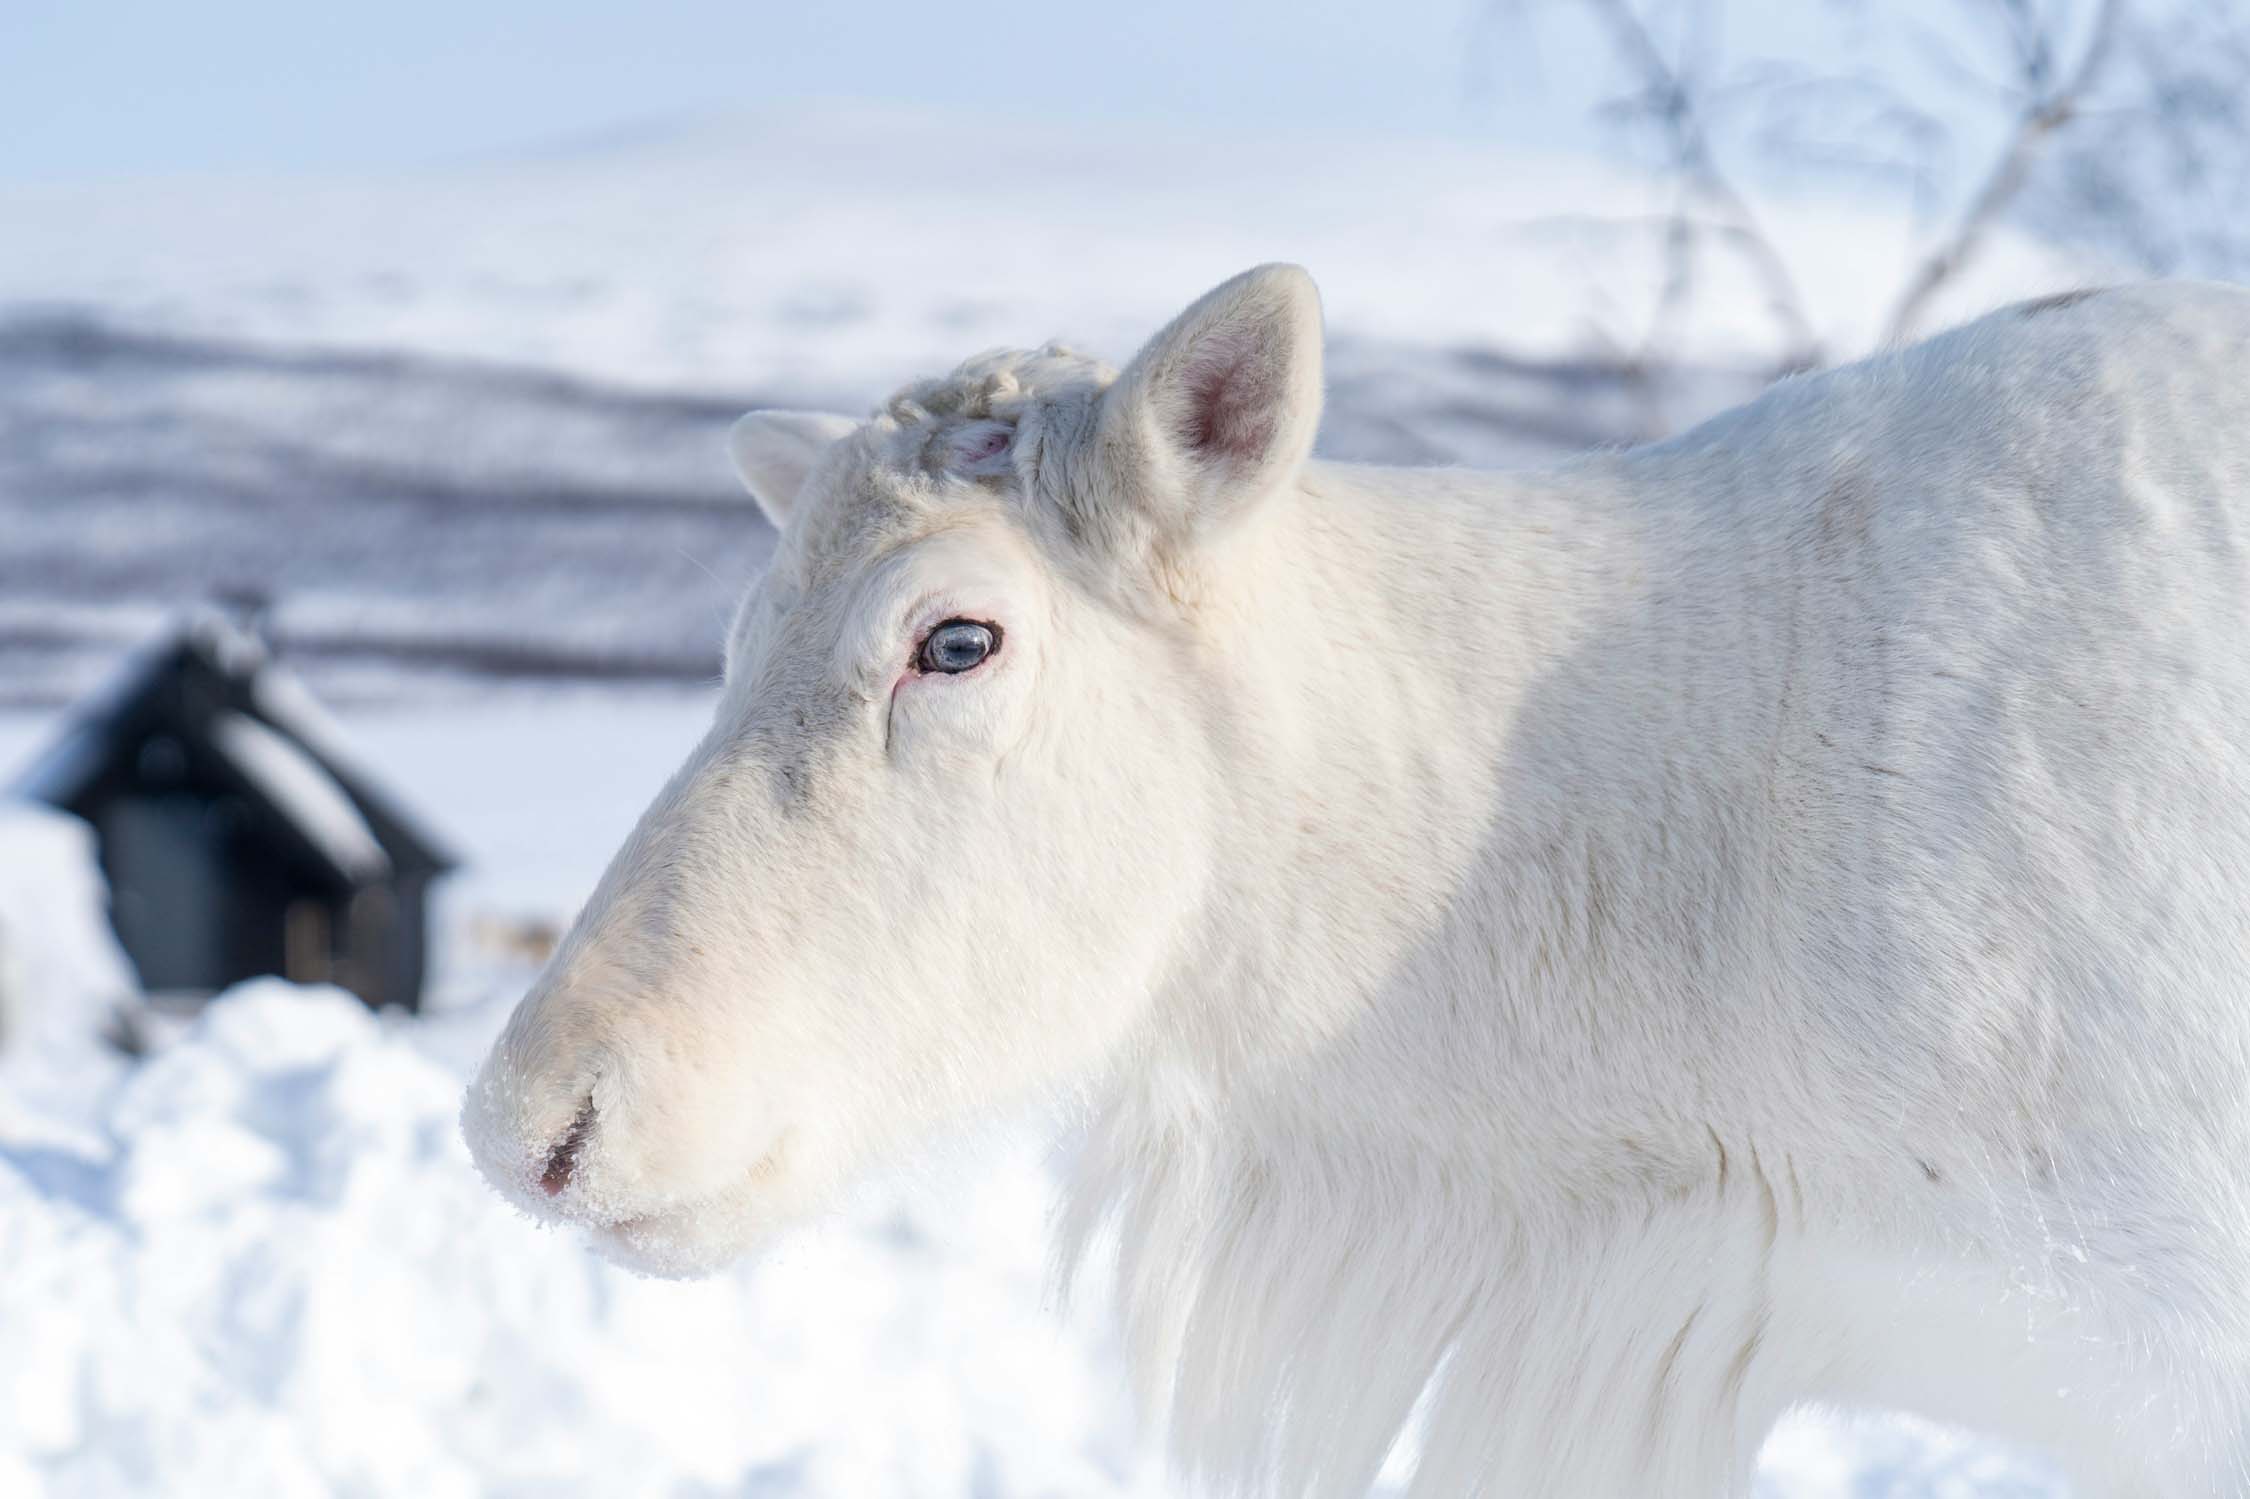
957 646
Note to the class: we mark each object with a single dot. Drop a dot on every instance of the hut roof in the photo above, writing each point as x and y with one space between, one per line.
214 683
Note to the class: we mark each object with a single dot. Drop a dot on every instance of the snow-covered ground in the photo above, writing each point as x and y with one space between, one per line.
261 1264
464 422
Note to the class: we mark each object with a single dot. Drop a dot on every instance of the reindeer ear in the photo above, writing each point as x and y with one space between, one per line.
1221 407
773 451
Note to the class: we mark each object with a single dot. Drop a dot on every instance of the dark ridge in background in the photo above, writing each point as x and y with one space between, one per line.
421 524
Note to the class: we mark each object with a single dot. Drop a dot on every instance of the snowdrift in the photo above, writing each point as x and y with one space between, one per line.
263 1265
61 973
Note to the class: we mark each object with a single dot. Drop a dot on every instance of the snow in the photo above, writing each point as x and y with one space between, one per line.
275 1272
61 971
296 783
259 1263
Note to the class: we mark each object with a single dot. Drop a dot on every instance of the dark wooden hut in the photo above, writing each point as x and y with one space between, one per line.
238 837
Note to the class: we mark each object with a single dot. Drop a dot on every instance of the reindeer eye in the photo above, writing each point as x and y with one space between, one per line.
957 646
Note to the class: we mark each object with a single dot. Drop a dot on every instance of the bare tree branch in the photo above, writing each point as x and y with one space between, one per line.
2159 173
2123 128
2050 107
1668 98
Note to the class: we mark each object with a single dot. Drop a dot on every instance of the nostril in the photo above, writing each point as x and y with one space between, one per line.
564 1160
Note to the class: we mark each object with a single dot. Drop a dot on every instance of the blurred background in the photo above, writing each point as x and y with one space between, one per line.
366 539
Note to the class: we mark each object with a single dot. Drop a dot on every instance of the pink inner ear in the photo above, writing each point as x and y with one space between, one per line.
1231 390
981 443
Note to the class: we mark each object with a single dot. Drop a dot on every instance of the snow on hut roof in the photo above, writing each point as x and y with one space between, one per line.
300 787
282 700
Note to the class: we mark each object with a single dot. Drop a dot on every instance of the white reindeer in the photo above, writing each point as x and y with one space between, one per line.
1607 954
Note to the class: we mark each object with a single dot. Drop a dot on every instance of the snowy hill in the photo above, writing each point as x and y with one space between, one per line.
466 421
422 518
838 252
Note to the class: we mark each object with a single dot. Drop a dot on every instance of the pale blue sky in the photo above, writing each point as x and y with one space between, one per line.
101 88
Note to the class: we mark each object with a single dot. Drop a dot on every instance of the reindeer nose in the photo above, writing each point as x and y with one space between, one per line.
564 1159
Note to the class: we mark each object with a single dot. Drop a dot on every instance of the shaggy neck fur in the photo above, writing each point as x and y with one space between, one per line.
1340 1134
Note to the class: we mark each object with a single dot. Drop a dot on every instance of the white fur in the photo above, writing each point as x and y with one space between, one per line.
1605 955
775 451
